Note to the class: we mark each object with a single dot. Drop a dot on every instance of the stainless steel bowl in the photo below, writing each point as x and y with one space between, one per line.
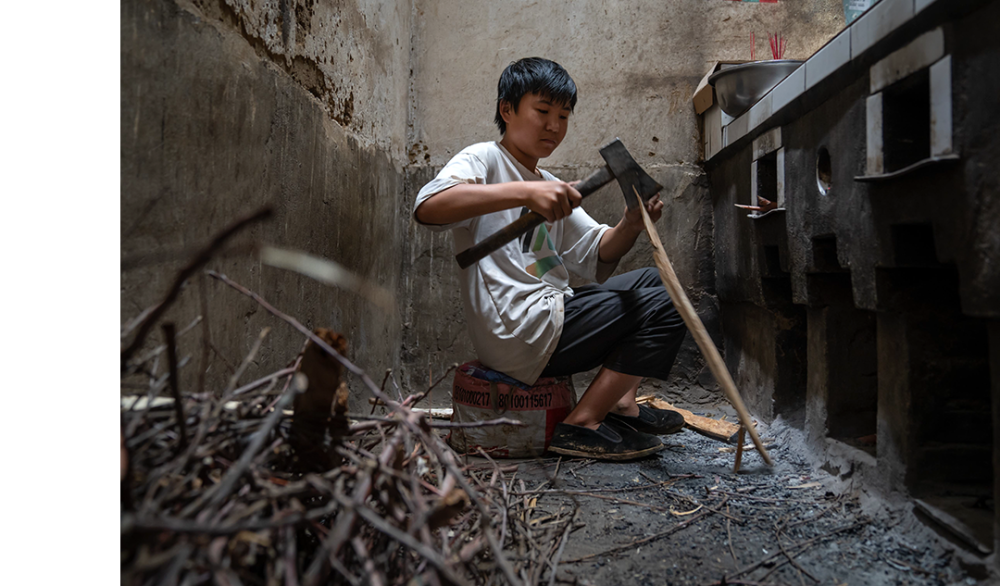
741 86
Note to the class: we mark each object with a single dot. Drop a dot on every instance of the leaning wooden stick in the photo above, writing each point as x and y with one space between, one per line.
698 331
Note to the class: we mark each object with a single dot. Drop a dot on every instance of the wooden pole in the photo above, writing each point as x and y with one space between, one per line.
739 449
698 331
170 335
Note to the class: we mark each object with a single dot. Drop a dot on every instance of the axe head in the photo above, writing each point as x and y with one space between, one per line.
629 174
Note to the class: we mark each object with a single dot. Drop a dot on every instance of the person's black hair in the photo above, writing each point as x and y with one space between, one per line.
534 75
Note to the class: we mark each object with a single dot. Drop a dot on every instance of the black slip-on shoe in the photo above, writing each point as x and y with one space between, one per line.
608 442
651 420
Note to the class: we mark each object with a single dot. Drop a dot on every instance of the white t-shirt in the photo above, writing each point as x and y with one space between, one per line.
514 297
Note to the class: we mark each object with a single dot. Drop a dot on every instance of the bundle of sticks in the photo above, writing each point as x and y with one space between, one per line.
778 44
275 482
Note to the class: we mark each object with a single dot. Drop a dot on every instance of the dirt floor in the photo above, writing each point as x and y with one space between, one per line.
690 520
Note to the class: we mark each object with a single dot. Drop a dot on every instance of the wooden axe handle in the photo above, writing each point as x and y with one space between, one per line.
511 231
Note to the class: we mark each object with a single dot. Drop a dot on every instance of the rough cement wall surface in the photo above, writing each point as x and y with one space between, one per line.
434 332
758 344
352 55
212 129
636 65
979 126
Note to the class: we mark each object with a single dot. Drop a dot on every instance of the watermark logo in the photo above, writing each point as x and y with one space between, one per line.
54 53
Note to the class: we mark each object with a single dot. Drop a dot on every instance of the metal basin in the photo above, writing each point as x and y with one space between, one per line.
741 86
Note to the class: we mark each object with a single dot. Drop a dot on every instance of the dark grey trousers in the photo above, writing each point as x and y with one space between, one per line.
627 324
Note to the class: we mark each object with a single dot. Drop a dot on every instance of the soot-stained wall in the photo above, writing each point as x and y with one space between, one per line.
875 286
227 106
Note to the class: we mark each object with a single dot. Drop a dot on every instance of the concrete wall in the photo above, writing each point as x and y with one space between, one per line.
337 112
636 65
229 105
898 287
351 55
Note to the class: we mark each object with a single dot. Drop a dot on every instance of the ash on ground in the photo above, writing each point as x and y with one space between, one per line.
739 526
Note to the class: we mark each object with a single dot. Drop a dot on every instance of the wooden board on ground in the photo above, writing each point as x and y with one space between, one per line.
716 429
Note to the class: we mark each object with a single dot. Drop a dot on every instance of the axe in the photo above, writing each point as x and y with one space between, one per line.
635 184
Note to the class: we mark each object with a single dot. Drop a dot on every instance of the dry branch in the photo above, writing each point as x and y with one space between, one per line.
699 333
634 544
798 548
791 558
315 407
168 333
739 450
235 507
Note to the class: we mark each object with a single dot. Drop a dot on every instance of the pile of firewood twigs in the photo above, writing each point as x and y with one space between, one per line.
274 482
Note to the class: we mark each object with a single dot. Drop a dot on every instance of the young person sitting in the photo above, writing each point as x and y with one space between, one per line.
523 317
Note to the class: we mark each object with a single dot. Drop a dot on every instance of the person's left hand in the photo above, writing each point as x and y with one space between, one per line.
654 207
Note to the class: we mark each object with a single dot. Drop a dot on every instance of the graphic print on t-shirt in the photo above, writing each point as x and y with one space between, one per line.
536 242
